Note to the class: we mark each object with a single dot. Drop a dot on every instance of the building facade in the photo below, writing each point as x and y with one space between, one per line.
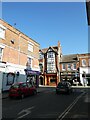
84 68
75 66
49 65
69 67
18 55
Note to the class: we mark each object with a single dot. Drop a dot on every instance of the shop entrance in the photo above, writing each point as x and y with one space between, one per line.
41 80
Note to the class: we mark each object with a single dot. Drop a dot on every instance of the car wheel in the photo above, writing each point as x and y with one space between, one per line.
68 92
56 92
22 96
10 97
35 92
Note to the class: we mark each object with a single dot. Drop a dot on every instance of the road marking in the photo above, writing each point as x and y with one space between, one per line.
69 107
24 112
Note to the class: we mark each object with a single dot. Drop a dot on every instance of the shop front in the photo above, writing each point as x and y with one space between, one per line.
86 78
51 79
32 77
85 75
69 76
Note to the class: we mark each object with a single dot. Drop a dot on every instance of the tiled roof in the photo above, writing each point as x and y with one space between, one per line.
69 58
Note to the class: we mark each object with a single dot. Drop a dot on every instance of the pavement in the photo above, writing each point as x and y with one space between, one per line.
41 88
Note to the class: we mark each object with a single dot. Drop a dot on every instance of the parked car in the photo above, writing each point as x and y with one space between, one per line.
22 89
64 87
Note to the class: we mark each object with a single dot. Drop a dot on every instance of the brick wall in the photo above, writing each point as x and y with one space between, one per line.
17 52
84 57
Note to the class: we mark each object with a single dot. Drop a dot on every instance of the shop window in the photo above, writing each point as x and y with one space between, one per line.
10 78
52 80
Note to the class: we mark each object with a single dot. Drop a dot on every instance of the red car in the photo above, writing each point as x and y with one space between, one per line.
21 90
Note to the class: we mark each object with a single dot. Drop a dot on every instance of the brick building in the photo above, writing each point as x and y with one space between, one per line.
75 66
18 55
49 65
69 66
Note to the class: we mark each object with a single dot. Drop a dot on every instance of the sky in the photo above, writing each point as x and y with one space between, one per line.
50 22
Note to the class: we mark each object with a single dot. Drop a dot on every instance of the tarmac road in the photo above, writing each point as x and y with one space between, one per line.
48 105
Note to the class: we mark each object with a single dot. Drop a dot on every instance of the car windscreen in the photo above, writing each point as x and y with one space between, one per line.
23 85
62 84
15 86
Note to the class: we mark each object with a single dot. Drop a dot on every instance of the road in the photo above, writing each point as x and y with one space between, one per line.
47 104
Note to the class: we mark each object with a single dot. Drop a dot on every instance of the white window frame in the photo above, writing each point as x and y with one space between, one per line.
89 62
30 47
29 66
1 54
51 68
83 62
63 65
2 31
69 66
50 54
73 66
41 56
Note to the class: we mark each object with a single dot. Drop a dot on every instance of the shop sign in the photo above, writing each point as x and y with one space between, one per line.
32 72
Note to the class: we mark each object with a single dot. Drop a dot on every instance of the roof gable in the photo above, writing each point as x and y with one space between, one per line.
51 49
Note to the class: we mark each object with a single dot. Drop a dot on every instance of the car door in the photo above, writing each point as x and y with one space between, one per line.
25 90
31 88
